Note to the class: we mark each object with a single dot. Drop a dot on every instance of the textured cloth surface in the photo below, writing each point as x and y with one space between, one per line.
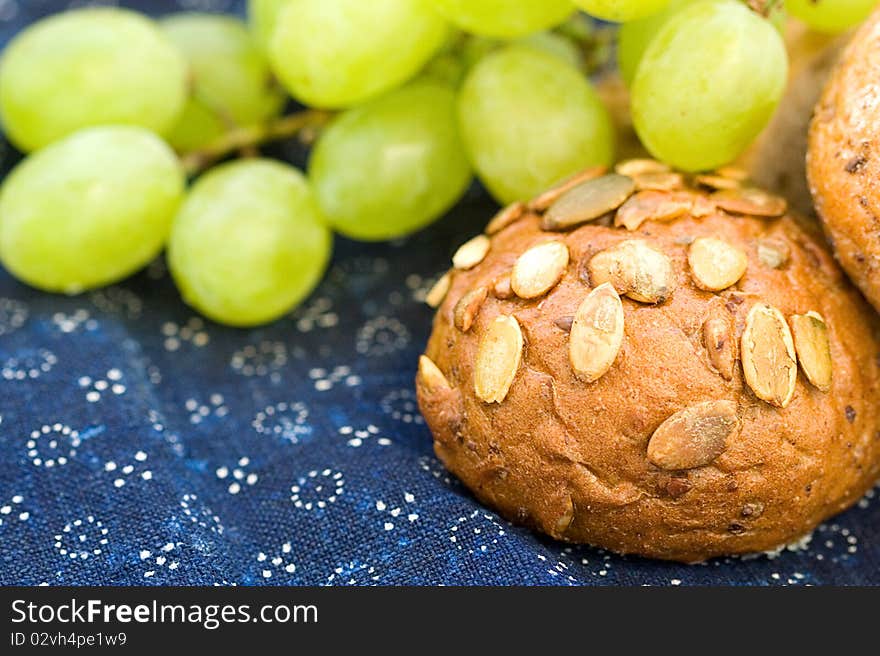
140 444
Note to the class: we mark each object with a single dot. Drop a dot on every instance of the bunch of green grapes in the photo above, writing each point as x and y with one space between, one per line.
101 96
403 102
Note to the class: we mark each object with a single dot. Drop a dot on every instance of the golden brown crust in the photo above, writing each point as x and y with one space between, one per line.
843 160
570 458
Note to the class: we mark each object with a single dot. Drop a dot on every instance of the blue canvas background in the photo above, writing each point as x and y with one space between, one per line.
141 445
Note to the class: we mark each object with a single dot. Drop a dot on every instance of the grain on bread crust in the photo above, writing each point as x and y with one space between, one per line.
570 452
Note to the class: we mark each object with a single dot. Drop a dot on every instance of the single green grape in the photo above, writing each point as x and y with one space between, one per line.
831 15
196 127
556 45
393 165
505 19
475 48
341 53
262 15
708 84
579 28
249 242
89 67
448 64
231 81
528 120
621 11
452 66
89 209
633 38
447 67
778 16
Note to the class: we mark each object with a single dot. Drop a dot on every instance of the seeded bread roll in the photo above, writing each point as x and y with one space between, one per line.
843 163
638 362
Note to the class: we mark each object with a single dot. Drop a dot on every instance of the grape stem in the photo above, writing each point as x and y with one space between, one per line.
763 7
246 139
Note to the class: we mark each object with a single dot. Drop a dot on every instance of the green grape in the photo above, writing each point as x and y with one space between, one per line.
89 67
621 11
633 38
249 242
778 16
197 126
505 19
475 48
449 64
391 166
447 67
230 78
337 54
556 45
262 15
579 27
830 15
528 120
708 84
453 66
89 209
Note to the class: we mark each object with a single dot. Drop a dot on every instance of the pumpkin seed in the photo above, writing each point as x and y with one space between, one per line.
539 269
498 359
430 377
635 269
467 308
715 264
695 436
596 333
773 253
471 253
652 206
508 215
720 344
659 181
438 292
588 201
813 348
717 182
550 196
768 355
750 201
633 167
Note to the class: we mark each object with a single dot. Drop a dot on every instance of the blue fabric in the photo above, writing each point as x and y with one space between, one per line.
141 445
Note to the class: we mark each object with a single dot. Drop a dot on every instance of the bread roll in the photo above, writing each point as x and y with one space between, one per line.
655 365
843 160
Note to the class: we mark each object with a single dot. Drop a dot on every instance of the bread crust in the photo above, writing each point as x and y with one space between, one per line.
570 458
843 159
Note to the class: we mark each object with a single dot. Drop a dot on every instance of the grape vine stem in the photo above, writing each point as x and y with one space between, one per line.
763 7
247 138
